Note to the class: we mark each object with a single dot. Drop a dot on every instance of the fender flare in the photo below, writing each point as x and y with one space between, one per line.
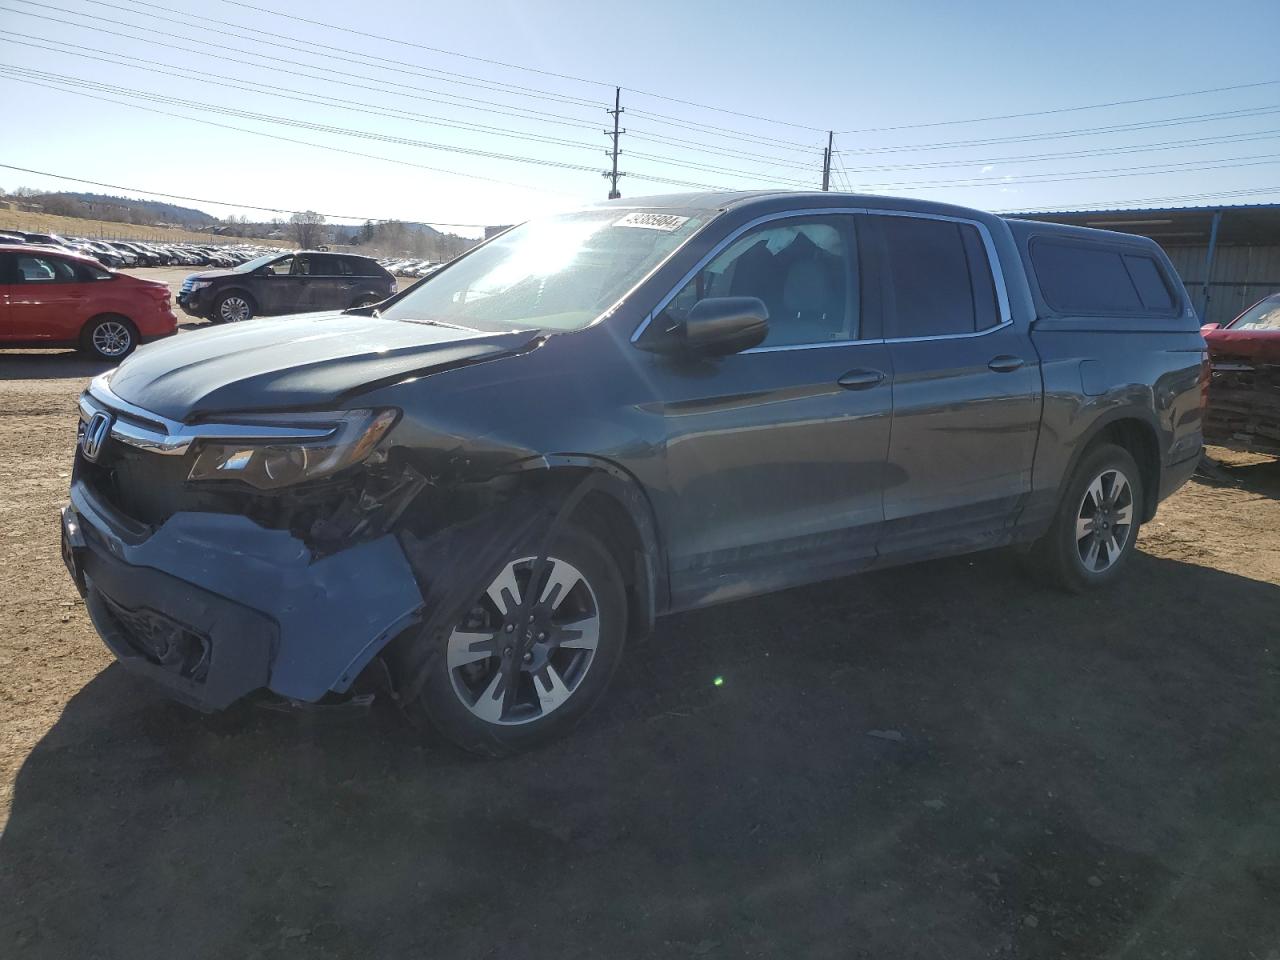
1095 429
652 585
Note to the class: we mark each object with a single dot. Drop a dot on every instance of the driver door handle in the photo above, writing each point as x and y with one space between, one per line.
1005 363
861 379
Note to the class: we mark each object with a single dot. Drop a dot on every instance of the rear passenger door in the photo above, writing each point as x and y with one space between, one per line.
966 387
331 284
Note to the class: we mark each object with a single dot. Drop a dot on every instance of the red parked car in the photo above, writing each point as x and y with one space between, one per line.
52 298
1243 411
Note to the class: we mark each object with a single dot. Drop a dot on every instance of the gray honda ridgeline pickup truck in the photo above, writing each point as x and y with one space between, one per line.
478 490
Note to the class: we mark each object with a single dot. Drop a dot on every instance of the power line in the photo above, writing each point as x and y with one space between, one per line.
513 66
303 143
346 83
816 129
352 153
1045 113
226 203
303 96
273 64
287 93
1075 132
380 62
1074 154
326 128
1224 163
1102 205
287 121
527 90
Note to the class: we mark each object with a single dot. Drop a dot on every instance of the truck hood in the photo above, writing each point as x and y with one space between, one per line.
295 362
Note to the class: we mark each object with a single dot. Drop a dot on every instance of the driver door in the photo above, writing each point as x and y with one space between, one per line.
280 287
775 456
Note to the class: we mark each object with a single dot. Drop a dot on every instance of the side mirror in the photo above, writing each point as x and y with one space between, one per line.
1210 326
719 326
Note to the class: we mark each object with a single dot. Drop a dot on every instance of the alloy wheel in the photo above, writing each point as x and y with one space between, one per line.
111 338
234 309
527 643
1104 521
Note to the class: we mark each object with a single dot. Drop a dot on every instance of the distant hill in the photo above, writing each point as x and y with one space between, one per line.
343 233
168 212
98 206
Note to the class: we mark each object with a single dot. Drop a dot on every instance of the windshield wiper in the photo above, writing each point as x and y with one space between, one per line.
437 323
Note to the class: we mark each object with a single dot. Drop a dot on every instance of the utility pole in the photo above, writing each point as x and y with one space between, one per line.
826 162
615 133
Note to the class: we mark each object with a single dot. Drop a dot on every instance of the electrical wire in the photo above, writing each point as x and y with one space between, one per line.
1045 113
644 93
303 143
302 96
1107 206
1113 172
380 63
273 63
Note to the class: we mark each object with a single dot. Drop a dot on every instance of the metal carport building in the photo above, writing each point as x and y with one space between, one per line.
1228 257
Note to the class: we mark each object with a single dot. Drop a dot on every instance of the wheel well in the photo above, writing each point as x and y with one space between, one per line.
612 523
1139 439
88 324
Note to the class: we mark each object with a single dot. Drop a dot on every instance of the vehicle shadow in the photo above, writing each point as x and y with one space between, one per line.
944 760
49 365
68 364
1253 472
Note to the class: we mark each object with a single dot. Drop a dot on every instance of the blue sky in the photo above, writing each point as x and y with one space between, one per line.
849 66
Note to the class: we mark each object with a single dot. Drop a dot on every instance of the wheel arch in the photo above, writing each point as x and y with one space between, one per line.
1136 431
617 510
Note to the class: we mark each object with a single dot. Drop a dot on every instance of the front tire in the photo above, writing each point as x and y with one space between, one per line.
110 337
1095 529
529 660
233 307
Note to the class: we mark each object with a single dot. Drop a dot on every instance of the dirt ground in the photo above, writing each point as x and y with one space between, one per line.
945 760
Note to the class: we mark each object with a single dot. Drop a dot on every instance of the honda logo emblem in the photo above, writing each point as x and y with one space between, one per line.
95 435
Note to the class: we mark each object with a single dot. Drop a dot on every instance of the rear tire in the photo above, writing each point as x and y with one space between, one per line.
562 661
1095 529
109 337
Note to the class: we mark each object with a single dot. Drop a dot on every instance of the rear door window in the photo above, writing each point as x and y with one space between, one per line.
329 265
939 277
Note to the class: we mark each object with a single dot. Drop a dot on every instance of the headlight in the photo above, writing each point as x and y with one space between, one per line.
265 462
200 285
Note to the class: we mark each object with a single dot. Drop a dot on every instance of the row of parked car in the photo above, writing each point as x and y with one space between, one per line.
136 253
409 268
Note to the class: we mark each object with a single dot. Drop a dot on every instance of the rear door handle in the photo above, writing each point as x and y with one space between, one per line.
861 379
1006 364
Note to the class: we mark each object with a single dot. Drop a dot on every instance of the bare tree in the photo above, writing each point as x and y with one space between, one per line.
307 229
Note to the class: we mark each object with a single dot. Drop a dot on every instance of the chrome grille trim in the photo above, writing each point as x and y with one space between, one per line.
149 431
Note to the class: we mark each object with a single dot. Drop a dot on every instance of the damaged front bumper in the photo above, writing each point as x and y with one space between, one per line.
213 606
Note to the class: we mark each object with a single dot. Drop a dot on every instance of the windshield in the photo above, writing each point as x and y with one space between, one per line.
559 273
252 265
1264 315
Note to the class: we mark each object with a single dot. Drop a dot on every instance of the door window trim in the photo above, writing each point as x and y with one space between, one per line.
993 264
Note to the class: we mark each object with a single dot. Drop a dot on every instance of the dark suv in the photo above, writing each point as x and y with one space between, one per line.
485 486
302 282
